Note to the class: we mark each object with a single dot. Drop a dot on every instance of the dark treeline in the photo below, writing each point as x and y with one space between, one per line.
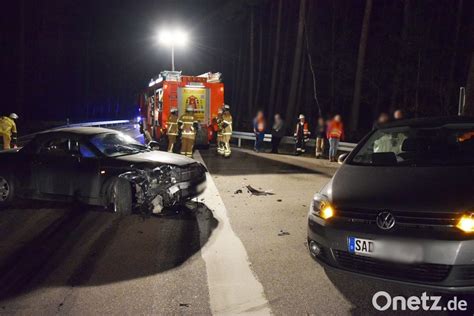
90 59
417 55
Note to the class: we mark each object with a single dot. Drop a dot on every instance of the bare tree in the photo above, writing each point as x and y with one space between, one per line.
360 65
275 59
260 63
469 109
296 61
402 53
251 63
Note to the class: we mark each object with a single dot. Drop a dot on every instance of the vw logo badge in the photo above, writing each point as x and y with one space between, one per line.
385 220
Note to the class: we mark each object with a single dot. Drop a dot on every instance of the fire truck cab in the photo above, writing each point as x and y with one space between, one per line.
205 93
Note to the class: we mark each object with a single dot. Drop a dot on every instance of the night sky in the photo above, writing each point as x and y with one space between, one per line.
88 60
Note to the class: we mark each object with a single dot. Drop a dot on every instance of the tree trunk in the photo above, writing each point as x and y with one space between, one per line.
333 56
469 107
276 52
251 64
21 61
296 62
452 65
360 65
260 57
403 48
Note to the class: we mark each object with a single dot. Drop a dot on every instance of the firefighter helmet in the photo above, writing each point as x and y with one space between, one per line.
226 107
190 109
14 116
174 110
301 116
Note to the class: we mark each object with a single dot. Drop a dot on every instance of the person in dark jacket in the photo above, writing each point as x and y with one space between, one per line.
320 137
301 135
278 132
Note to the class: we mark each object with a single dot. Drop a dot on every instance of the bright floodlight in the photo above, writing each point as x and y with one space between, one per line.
165 37
175 37
180 38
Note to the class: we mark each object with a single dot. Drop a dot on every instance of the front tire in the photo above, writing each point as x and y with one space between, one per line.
7 191
120 197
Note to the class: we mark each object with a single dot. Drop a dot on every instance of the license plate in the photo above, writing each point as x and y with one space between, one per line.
360 246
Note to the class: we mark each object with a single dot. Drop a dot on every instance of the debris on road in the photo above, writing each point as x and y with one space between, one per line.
283 233
184 304
239 191
254 191
279 200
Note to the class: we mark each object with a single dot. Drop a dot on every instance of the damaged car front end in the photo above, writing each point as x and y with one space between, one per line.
165 186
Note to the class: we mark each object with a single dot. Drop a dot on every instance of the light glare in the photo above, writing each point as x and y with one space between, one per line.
175 37
327 212
466 224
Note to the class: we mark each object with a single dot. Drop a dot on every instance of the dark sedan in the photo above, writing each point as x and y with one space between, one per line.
401 206
98 166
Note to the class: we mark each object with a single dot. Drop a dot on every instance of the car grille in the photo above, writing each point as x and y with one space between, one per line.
395 270
402 218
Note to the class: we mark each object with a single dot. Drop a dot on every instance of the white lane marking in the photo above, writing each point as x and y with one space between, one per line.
233 287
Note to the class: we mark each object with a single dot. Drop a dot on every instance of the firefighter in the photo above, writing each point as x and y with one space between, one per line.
301 134
226 130
188 127
8 132
172 129
220 147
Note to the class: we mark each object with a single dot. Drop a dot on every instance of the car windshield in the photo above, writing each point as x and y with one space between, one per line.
451 144
117 144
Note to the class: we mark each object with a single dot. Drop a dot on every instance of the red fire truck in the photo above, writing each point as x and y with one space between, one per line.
205 93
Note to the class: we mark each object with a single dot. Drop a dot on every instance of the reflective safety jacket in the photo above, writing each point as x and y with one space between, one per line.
219 121
335 130
8 130
173 125
226 123
302 130
188 123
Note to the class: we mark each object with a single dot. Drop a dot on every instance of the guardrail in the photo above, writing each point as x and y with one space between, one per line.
343 146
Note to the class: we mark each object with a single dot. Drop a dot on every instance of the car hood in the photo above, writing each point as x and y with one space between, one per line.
156 158
403 188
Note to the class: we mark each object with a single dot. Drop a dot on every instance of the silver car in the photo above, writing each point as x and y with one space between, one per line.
401 206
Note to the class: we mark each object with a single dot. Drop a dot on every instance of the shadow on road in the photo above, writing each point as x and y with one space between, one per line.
55 244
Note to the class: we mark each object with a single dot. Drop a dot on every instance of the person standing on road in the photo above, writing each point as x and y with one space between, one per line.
320 137
172 129
8 131
278 132
301 134
220 146
188 127
334 134
226 130
259 131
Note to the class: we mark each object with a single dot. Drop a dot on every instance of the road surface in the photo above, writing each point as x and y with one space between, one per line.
228 252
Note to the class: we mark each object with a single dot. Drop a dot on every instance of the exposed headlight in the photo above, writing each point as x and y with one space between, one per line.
466 223
321 207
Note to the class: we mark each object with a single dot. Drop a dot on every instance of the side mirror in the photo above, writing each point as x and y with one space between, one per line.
154 145
342 158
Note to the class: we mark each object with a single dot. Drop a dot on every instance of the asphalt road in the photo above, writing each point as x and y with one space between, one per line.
228 252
